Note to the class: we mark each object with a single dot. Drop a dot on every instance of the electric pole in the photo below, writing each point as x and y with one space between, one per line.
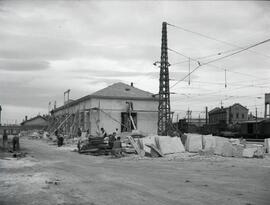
164 110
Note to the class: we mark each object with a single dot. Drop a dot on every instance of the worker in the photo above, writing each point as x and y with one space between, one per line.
16 143
79 132
112 138
117 148
60 138
5 139
103 133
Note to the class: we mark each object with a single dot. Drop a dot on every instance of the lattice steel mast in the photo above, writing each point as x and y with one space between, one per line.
164 110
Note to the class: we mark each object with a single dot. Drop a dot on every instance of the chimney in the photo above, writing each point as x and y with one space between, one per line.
131 84
25 117
54 106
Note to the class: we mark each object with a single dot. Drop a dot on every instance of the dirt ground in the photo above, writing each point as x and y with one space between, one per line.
51 175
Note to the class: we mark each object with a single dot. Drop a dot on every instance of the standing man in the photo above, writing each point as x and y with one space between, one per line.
16 143
112 138
117 148
79 133
5 139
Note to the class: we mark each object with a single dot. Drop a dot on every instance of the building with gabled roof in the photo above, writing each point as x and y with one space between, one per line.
233 114
111 108
37 122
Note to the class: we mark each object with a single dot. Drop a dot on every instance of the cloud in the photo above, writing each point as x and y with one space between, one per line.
87 45
23 65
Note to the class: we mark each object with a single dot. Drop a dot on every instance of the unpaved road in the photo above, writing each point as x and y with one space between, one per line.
84 179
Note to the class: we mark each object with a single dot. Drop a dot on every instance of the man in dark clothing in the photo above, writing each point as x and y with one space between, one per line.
5 139
117 148
60 139
111 140
79 133
16 143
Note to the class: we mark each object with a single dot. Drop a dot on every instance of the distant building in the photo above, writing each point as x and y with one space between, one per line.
259 128
38 122
230 115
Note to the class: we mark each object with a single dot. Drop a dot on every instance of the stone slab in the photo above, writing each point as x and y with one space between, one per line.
147 140
170 145
208 142
249 152
193 142
220 141
227 149
238 150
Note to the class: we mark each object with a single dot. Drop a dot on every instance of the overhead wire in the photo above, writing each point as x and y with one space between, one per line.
215 39
218 59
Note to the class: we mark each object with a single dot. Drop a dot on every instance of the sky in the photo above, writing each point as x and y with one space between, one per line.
47 47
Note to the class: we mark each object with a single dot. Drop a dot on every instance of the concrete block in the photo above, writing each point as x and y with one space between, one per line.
170 145
238 150
220 141
267 145
147 140
227 149
249 152
259 153
193 142
208 142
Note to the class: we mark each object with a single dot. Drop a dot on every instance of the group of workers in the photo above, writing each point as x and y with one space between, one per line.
15 142
113 140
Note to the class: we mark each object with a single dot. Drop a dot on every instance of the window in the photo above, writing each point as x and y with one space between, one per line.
237 115
243 116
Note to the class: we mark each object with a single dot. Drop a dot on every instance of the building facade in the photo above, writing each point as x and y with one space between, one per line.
38 122
119 106
230 115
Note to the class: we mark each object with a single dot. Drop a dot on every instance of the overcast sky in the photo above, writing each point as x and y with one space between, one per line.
47 47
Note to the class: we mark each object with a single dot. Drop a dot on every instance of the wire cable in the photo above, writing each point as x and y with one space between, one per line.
218 59
215 39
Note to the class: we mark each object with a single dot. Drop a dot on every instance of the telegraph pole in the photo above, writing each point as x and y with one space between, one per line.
164 110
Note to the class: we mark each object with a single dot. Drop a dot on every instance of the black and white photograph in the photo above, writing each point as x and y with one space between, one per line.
134 102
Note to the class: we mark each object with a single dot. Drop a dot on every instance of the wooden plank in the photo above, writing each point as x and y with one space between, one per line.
136 147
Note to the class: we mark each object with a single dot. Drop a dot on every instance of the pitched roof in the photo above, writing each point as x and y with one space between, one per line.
239 105
33 118
116 91
123 90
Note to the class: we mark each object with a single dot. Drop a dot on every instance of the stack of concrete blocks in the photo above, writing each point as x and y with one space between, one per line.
193 142
267 145
169 145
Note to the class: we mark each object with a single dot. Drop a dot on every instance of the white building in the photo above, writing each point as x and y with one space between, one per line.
108 108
